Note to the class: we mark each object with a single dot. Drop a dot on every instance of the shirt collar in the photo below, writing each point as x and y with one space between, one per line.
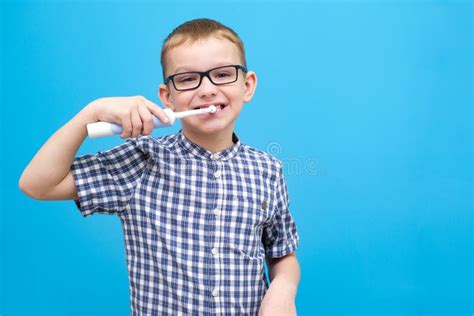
201 152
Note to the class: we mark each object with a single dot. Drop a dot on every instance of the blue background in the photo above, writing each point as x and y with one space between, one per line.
369 105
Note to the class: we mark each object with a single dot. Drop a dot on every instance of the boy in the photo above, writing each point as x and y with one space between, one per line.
200 210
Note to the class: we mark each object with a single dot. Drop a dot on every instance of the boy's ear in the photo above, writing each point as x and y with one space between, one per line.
165 96
250 85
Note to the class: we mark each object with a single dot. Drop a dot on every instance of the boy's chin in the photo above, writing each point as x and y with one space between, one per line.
209 128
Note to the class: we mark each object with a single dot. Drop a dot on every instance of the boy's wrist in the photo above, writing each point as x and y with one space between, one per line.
88 113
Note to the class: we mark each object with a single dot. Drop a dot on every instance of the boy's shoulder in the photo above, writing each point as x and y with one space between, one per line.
262 162
260 155
156 146
150 140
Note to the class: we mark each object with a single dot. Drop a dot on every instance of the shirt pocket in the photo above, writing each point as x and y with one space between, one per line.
243 224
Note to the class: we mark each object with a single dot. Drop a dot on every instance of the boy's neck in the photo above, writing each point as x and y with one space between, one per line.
213 142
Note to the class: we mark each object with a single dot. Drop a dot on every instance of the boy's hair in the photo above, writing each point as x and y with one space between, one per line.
196 30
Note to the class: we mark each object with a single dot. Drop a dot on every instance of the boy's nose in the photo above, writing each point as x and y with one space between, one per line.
207 88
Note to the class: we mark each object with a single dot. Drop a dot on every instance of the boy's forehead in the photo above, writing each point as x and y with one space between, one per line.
202 55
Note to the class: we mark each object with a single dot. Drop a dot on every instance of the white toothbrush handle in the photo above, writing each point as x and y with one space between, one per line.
102 129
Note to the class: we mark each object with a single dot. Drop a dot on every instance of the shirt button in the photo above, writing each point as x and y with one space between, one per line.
215 292
217 174
214 251
214 157
217 212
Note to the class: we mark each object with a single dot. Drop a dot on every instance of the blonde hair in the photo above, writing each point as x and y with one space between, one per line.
196 30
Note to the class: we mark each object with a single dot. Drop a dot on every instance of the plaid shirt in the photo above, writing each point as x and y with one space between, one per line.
197 226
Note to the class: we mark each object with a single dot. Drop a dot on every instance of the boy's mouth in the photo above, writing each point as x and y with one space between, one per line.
220 110
220 106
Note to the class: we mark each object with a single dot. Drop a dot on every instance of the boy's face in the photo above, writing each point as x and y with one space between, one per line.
202 56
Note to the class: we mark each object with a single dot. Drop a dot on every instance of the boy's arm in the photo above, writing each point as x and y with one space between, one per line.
48 175
285 271
284 279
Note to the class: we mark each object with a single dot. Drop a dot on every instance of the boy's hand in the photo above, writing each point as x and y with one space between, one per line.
278 301
134 114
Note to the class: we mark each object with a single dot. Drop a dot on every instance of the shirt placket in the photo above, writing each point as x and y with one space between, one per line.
215 249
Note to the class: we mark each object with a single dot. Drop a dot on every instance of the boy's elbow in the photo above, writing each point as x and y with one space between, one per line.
23 185
65 190
27 188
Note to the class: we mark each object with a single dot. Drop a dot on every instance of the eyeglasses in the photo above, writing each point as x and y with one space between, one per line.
218 76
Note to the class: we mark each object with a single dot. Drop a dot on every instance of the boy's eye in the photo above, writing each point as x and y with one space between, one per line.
187 79
222 75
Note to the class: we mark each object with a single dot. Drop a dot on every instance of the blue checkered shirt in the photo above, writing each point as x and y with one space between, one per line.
197 226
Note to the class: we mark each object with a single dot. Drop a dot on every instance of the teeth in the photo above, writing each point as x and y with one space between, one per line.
218 106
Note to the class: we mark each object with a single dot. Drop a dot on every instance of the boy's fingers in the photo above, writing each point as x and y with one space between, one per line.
136 122
157 111
146 119
126 125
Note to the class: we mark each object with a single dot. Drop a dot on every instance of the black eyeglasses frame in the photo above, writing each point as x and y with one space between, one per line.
203 74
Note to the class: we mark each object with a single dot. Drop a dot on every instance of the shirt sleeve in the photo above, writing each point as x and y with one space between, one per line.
280 235
106 181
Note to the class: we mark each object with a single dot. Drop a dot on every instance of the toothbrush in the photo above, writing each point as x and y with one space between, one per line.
101 129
